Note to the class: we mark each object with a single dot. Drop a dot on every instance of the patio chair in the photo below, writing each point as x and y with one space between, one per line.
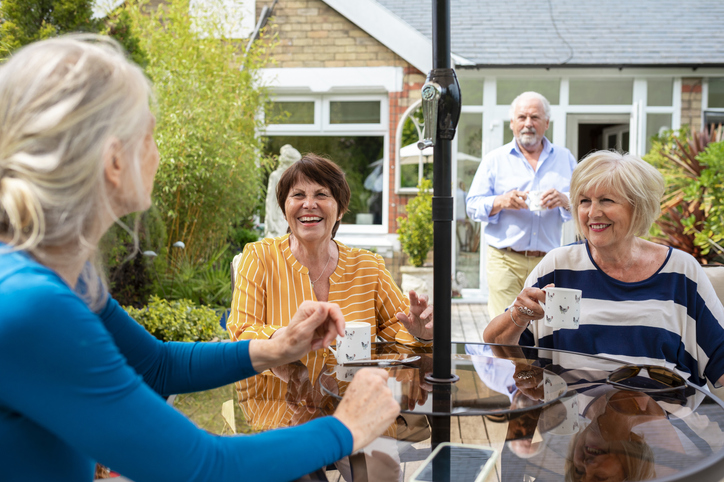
716 276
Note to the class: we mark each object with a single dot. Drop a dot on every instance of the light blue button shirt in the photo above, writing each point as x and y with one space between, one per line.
505 169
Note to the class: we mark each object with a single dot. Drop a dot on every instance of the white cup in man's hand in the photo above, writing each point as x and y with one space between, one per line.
562 307
534 200
355 344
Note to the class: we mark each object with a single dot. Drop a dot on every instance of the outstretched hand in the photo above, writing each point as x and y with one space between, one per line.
419 321
315 325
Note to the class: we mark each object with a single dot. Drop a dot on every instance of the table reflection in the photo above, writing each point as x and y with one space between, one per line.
550 414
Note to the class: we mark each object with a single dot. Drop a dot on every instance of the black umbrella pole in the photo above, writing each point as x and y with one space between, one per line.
443 78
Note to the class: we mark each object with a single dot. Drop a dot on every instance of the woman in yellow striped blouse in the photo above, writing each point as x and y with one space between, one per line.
276 275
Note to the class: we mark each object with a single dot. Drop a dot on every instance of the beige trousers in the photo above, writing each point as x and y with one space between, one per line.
506 273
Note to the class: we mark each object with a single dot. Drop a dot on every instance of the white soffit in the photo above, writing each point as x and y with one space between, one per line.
322 80
386 27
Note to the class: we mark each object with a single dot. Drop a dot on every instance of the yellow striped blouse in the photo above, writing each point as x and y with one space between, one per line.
270 284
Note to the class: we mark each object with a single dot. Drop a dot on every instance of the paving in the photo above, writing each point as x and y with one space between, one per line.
468 322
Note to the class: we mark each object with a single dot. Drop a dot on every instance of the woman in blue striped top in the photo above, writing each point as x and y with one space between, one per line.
642 302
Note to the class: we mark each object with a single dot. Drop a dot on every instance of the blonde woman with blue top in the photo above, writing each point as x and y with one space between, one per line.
80 381
643 303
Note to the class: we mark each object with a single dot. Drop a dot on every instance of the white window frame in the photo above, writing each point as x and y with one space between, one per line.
298 128
322 128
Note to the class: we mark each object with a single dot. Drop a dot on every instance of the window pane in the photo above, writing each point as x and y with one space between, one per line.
361 158
285 112
509 89
471 91
716 92
508 133
356 112
467 231
660 92
600 92
656 124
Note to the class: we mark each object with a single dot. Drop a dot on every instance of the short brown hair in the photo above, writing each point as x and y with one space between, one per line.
317 169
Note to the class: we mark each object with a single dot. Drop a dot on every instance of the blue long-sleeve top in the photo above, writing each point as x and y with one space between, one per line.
78 387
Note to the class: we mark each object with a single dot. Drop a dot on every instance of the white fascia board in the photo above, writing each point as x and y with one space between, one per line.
325 80
389 29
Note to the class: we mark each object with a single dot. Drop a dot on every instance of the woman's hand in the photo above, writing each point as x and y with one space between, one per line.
313 326
507 327
419 322
526 307
368 407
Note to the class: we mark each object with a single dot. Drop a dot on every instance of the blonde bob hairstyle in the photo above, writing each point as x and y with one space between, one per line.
63 101
623 174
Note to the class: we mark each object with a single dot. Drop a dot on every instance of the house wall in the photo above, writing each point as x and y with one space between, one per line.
691 103
311 34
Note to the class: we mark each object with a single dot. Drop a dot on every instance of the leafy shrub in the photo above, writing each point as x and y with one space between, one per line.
691 211
179 320
132 278
416 233
204 281
207 121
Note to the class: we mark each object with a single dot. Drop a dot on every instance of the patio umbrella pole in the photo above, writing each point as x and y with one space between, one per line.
441 109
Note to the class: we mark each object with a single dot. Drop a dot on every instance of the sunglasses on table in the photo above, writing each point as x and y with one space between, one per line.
627 377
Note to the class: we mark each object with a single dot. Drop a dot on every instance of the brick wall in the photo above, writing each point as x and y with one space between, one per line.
399 102
691 103
312 34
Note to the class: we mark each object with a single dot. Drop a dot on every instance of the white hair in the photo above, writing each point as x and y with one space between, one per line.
529 95
62 102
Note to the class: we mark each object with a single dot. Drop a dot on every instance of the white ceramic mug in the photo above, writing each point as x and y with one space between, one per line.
562 307
534 200
567 422
355 344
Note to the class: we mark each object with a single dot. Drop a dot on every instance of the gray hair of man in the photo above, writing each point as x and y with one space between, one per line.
533 95
62 102
626 175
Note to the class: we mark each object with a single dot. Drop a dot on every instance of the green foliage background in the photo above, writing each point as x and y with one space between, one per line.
693 206
179 320
416 231
208 181
25 21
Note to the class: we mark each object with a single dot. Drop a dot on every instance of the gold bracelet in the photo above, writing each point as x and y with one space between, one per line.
510 310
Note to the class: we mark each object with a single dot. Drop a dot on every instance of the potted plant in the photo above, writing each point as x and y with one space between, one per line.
416 238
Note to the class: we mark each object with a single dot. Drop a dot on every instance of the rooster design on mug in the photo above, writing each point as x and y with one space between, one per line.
575 320
365 345
549 319
564 310
577 298
349 357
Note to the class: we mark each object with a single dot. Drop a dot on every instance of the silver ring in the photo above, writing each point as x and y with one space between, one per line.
525 311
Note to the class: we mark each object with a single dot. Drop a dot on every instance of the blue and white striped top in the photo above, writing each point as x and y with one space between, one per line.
671 319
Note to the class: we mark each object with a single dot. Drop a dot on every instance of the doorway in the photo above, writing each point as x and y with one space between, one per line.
592 132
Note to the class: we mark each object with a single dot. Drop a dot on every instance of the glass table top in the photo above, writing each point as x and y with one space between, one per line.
550 415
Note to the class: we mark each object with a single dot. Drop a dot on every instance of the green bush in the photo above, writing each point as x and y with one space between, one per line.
202 281
691 210
710 186
132 278
179 320
207 121
416 233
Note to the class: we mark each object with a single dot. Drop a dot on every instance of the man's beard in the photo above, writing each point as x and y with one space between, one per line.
528 138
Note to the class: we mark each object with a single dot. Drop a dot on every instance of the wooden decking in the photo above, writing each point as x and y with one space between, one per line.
468 322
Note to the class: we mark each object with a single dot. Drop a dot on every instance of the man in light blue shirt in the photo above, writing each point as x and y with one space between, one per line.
500 196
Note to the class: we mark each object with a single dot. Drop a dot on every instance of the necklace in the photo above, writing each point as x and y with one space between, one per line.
323 270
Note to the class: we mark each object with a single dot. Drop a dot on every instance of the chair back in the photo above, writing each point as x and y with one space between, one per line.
716 276
234 267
